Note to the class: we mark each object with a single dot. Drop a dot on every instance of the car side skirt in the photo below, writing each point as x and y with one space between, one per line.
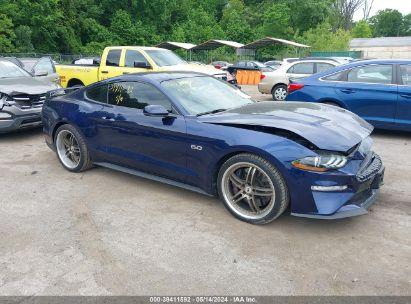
152 177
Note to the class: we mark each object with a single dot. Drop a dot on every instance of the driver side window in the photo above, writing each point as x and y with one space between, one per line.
136 95
133 56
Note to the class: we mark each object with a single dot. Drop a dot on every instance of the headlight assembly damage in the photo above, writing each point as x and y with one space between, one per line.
4 100
322 162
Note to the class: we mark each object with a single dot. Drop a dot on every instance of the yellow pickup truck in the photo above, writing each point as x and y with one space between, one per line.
119 60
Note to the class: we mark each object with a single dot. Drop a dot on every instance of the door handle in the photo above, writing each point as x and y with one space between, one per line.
347 91
405 95
124 73
104 72
107 118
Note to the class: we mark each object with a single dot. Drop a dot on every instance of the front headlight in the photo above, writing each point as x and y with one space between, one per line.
321 163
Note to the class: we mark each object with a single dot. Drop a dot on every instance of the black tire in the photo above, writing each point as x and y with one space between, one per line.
276 92
281 199
85 162
75 83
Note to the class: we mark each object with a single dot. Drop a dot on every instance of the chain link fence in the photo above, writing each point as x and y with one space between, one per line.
59 58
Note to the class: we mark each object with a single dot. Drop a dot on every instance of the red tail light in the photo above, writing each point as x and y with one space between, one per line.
294 87
262 76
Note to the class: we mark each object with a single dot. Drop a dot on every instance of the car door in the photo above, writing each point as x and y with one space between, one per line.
403 114
300 70
132 57
370 92
110 67
128 137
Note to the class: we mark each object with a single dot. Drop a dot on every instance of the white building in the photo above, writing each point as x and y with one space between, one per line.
383 48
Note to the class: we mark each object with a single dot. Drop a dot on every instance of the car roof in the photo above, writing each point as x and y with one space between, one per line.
354 64
381 61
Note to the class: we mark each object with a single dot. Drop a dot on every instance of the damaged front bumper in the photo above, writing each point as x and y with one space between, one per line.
356 200
13 119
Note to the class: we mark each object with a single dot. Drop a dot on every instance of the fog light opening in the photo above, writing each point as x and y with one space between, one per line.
329 188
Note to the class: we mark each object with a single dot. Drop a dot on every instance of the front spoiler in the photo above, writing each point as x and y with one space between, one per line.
347 210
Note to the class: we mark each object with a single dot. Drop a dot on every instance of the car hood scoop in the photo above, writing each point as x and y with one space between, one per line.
327 127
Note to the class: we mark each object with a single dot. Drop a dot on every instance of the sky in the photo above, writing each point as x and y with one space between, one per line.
404 6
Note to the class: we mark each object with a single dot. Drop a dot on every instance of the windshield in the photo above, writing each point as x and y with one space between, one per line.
165 57
204 94
9 69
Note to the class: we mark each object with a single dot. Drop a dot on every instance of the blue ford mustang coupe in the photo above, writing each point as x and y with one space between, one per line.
377 90
197 132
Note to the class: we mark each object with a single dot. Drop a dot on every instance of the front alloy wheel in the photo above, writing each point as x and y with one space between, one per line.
252 189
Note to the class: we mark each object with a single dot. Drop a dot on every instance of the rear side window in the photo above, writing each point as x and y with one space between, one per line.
113 58
136 95
98 93
302 68
133 56
406 74
371 74
322 66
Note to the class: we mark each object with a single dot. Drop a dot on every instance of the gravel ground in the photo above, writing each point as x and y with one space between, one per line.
103 232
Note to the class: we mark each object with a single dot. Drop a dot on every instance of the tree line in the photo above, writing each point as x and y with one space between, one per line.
87 26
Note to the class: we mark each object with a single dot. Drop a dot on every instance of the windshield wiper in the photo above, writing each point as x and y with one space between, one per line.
211 112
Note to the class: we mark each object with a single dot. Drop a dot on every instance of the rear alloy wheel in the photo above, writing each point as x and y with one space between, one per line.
71 149
279 92
252 189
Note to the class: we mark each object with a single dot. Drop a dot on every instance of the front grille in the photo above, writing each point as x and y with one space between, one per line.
373 165
26 101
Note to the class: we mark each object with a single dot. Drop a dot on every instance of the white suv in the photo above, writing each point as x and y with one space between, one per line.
276 82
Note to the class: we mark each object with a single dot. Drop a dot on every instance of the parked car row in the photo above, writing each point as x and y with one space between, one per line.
195 131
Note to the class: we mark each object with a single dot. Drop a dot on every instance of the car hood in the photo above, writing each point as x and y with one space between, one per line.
189 67
25 85
327 127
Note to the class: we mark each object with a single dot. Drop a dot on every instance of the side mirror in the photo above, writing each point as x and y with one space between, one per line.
142 65
41 73
155 110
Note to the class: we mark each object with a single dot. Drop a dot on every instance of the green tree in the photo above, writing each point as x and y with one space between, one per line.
387 23
308 14
23 39
276 21
6 34
407 25
234 23
361 30
322 38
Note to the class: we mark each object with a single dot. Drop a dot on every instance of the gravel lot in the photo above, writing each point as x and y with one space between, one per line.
104 232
